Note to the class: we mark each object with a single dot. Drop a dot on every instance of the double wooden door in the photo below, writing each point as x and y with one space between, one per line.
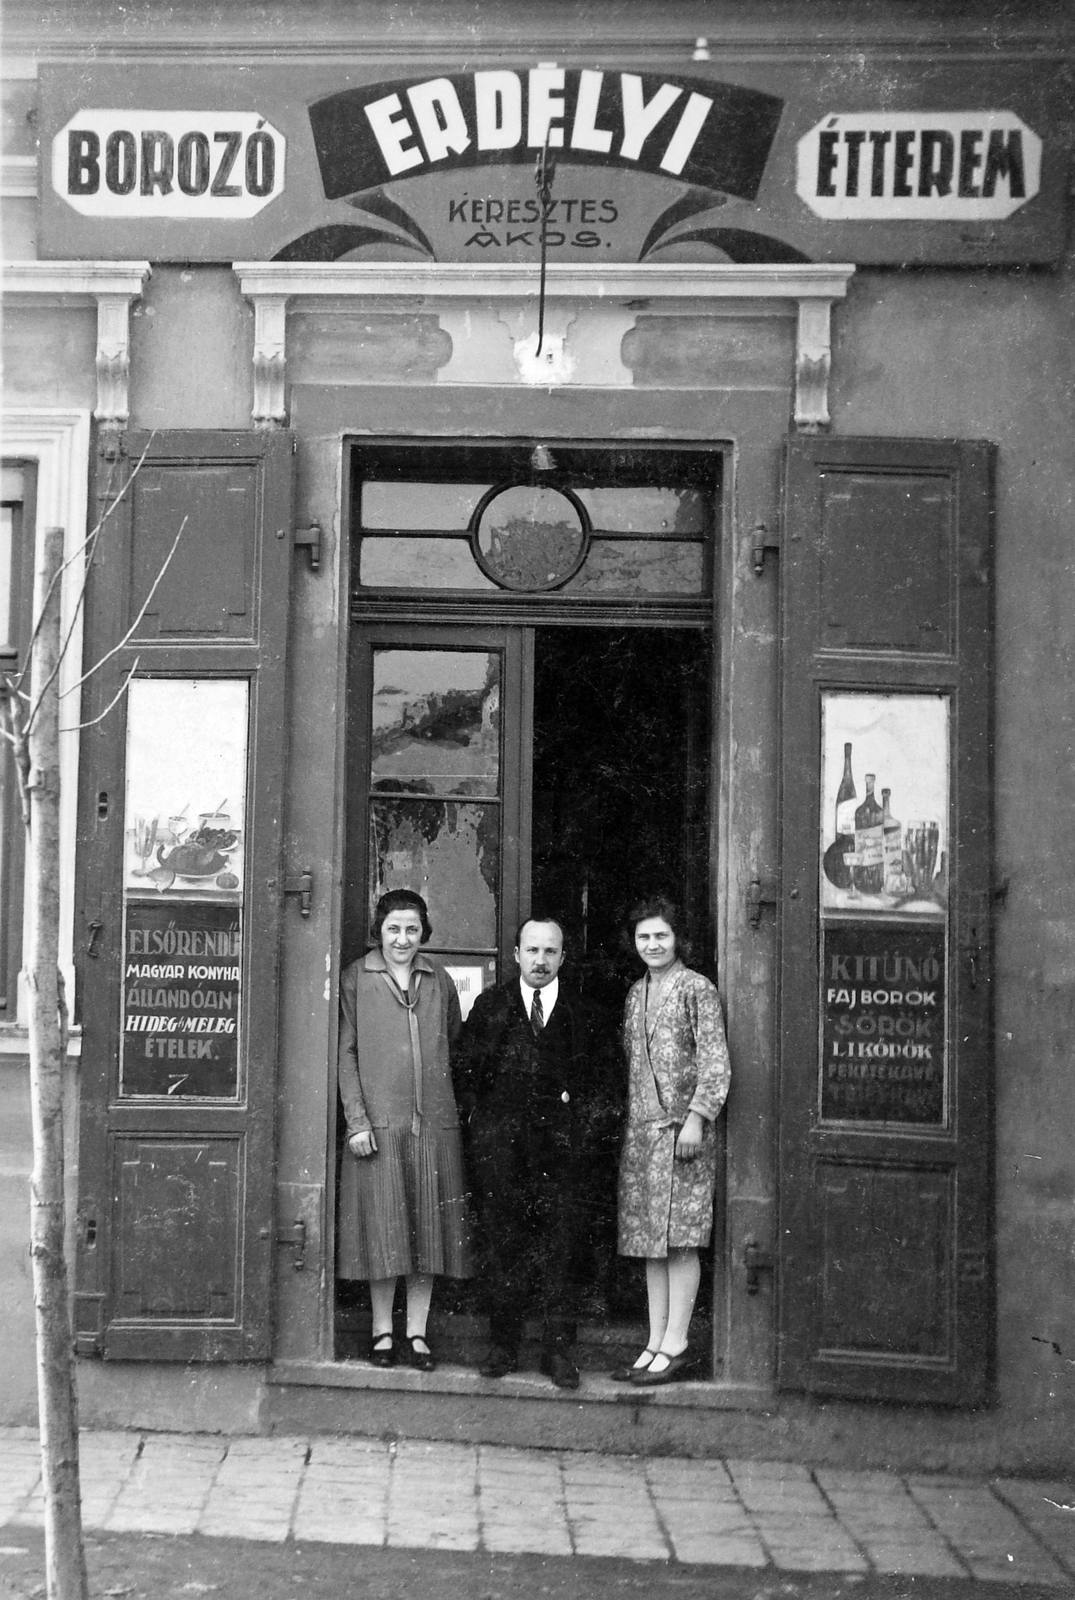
504 769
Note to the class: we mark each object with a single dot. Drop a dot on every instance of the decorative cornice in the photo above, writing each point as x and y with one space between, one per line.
450 280
487 311
77 280
111 286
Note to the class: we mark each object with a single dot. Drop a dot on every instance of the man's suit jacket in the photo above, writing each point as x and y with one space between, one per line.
557 1092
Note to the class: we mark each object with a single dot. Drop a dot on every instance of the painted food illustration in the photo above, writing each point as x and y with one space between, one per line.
203 852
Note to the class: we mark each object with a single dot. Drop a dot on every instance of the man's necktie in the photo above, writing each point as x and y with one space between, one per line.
537 1016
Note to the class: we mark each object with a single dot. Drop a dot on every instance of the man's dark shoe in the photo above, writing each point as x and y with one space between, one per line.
560 1368
499 1362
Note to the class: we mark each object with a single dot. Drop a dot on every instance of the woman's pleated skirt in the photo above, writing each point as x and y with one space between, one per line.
405 1209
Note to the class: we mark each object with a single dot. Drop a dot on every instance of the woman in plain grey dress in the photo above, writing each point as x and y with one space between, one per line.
403 1204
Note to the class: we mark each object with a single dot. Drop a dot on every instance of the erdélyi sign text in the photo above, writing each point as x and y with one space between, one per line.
742 161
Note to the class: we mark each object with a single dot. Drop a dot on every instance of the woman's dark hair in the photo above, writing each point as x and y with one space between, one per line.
658 905
400 900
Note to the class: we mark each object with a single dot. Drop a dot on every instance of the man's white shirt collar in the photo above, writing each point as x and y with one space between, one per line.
548 997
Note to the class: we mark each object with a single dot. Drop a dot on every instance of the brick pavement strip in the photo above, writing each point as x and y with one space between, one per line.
610 1510
521 1502
254 1492
169 1485
1049 1508
794 1520
343 1498
20 1469
353 1490
894 1531
433 1500
105 1462
988 1535
702 1515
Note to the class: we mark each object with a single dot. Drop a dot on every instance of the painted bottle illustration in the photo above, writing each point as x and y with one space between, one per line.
837 869
892 847
868 874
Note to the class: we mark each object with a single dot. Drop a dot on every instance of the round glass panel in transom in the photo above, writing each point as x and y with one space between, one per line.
530 536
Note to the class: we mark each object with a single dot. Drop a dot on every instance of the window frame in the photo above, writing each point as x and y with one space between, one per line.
12 830
504 461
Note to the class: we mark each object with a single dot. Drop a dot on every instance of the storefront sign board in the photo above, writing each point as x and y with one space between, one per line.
882 160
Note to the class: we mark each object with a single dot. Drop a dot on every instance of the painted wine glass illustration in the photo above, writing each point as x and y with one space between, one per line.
145 838
921 842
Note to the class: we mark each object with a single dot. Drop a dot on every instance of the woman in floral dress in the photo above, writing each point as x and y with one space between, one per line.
679 1076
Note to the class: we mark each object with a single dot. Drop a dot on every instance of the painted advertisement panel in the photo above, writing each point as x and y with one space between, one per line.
183 888
759 161
883 873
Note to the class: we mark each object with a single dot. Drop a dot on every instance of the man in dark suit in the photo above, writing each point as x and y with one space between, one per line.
533 1091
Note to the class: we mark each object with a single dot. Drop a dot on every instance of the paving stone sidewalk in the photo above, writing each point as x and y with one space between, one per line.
415 1494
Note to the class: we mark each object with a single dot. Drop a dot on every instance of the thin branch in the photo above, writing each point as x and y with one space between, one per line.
131 631
88 544
121 691
136 624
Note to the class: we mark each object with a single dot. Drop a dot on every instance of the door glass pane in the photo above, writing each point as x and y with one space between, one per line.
402 562
450 852
436 721
183 877
445 506
645 508
640 566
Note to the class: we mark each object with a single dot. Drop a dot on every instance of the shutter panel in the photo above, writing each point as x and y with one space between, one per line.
886 1071
180 893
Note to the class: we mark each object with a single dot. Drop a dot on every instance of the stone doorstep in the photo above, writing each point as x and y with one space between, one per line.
595 1388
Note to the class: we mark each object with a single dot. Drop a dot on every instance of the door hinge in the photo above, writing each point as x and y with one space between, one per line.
763 540
756 1261
295 1237
302 884
309 539
761 894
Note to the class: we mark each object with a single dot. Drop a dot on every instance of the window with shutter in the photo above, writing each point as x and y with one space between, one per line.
180 894
886 1069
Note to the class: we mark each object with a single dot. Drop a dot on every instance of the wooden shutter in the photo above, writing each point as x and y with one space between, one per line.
178 956
886 1070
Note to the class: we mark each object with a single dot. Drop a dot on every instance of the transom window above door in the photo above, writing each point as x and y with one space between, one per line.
532 518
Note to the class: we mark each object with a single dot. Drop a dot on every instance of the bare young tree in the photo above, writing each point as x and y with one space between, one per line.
30 723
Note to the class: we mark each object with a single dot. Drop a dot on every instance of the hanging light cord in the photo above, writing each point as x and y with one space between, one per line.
544 173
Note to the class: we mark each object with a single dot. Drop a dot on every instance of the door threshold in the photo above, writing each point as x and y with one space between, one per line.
594 1388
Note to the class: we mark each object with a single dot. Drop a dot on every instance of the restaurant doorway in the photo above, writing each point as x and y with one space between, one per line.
561 769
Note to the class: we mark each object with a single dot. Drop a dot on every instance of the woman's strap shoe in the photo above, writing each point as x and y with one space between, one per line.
380 1353
421 1360
626 1374
670 1369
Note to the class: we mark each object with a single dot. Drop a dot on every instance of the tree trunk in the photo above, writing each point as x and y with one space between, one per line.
57 1403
